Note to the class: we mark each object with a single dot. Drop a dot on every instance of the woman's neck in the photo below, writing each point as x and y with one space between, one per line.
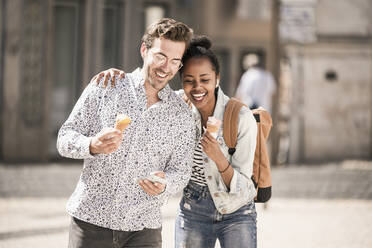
207 111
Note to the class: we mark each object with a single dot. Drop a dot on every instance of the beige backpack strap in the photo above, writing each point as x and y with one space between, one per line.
230 123
261 163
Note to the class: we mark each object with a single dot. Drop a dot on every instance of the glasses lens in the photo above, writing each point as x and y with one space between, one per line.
176 64
159 59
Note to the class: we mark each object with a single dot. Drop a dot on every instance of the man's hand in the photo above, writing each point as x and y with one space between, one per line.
112 72
153 188
106 141
187 100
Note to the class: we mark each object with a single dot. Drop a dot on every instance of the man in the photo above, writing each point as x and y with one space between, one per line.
112 206
257 86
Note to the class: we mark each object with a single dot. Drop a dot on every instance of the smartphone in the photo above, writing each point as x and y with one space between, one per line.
154 179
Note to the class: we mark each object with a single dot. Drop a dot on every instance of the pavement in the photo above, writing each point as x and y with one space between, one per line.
328 205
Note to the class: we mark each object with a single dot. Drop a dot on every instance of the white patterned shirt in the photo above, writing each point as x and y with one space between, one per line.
161 137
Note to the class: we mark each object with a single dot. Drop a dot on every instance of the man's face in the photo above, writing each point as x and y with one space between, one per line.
162 61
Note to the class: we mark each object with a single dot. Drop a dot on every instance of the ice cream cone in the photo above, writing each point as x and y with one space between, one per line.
122 121
213 124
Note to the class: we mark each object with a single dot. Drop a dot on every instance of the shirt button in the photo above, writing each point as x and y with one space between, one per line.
224 211
206 160
209 177
216 195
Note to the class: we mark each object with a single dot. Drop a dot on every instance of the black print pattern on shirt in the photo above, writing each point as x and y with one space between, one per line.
161 137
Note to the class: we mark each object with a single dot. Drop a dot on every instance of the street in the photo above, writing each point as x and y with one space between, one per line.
33 198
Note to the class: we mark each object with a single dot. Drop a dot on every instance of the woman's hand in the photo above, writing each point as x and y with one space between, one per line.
112 72
213 151
211 147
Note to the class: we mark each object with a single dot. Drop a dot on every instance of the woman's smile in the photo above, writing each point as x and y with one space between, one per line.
198 97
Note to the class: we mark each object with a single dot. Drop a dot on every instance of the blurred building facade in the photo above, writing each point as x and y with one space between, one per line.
50 49
327 46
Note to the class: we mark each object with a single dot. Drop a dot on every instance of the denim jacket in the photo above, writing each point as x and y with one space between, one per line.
242 189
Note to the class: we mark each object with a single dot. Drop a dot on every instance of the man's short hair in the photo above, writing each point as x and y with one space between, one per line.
250 60
167 28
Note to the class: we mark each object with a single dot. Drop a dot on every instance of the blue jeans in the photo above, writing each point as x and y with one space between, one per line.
199 224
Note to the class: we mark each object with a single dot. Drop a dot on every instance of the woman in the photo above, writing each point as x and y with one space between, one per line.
218 202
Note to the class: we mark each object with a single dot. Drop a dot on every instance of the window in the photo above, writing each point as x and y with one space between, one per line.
67 52
113 21
254 9
2 49
224 59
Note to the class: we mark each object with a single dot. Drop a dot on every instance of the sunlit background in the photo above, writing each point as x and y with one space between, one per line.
319 51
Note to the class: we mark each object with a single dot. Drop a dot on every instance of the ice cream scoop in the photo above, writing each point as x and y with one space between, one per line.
213 124
122 121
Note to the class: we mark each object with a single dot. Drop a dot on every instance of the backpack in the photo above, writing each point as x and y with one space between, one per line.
261 165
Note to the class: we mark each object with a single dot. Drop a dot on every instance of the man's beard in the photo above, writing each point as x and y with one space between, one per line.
156 83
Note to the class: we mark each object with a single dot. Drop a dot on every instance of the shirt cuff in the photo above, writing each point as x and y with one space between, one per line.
234 189
85 147
163 196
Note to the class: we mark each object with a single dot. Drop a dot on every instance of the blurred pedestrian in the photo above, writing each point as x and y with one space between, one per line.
112 206
256 86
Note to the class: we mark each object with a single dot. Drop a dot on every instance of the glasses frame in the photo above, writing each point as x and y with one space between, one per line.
160 59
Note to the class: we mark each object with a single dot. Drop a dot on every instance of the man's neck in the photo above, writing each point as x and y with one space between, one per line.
151 94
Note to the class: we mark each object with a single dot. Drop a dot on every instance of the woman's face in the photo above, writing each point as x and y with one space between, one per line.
199 82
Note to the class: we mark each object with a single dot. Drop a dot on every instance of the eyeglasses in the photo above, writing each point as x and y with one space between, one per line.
161 59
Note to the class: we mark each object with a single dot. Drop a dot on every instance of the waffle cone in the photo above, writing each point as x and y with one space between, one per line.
212 128
213 124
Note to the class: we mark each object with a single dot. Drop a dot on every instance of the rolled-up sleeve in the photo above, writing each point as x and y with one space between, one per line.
73 138
242 159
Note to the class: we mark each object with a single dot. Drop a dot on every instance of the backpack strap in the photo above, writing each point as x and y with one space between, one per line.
230 123
261 165
264 118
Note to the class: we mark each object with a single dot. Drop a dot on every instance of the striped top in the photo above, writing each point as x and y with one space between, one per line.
198 175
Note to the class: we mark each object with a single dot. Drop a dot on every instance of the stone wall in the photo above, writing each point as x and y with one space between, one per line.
337 101
331 110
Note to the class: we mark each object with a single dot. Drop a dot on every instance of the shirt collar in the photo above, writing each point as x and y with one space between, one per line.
138 78
164 93
139 81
